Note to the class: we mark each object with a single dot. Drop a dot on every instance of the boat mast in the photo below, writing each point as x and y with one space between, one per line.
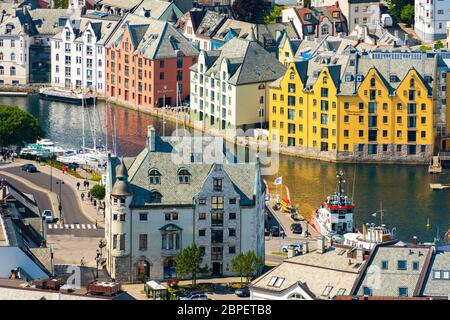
94 131
82 122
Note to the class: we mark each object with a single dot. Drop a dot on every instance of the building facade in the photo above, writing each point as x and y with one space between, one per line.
147 63
78 53
430 19
316 22
156 207
357 12
229 88
356 106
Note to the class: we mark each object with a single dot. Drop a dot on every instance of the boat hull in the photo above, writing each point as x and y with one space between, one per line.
74 100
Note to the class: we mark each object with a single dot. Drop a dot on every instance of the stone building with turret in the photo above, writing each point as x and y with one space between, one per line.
162 201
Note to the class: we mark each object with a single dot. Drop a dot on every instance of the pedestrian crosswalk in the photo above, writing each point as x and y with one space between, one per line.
72 226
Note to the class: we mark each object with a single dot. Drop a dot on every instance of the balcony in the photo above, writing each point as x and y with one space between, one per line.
170 252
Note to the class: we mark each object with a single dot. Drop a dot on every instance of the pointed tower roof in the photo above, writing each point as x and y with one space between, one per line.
121 171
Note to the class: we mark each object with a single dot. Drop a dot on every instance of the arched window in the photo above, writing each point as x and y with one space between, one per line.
154 176
13 57
1 56
184 177
12 71
57 57
296 296
325 29
325 80
411 83
155 197
292 76
372 82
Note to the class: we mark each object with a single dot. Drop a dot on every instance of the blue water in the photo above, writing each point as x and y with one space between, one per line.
403 189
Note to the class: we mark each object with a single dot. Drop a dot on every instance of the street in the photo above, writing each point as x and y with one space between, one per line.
73 220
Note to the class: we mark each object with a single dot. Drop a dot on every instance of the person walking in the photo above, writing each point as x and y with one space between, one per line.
78 185
82 196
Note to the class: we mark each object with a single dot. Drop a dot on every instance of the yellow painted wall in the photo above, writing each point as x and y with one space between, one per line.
348 116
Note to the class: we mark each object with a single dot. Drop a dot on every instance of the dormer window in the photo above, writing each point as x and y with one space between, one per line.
372 82
411 83
184 177
336 14
154 177
307 16
155 197
67 35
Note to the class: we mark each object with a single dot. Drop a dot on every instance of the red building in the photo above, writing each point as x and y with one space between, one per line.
146 61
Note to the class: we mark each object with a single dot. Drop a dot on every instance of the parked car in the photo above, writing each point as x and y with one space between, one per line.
242 292
275 231
29 168
195 296
296 246
296 228
277 207
73 166
48 216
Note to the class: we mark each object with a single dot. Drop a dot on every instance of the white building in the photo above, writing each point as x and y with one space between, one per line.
357 12
156 207
430 19
229 87
16 31
78 52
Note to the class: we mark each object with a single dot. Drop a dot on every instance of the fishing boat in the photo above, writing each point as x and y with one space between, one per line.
371 235
334 218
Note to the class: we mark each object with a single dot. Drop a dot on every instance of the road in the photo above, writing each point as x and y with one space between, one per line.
72 214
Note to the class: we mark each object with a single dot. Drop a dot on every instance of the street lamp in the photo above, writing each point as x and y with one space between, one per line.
60 183
97 260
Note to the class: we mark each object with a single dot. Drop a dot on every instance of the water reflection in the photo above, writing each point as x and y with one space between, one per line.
404 190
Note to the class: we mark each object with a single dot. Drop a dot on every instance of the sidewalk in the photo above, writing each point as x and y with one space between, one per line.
89 210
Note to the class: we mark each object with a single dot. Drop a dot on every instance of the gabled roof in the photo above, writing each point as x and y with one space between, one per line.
248 62
155 39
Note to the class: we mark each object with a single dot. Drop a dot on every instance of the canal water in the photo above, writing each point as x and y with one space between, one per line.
404 191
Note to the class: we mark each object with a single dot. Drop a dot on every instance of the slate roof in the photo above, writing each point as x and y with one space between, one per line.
434 287
159 9
155 38
126 5
21 23
318 13
248 62
313 272
172 192
392 279
46 21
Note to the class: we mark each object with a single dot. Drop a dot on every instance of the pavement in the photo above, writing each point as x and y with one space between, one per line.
78 217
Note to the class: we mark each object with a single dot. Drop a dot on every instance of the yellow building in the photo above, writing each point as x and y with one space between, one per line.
355 107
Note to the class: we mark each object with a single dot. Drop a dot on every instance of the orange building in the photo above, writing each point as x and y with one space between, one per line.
146 61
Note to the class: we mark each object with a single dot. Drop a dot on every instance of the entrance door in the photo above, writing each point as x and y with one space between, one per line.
217 268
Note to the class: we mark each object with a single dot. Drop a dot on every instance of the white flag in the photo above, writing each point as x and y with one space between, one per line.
374 214
278 181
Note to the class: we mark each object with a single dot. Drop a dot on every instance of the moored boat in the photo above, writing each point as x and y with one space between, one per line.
334 218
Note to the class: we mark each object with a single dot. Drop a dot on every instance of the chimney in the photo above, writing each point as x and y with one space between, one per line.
396 33
414 240
151 139
320 245
406 39
305 247
337 4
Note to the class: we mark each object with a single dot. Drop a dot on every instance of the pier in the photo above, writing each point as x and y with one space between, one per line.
285 221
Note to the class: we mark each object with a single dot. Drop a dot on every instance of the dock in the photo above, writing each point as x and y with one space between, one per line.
13 94
439 186
285 221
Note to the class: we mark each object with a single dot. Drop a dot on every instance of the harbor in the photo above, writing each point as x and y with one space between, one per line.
408 203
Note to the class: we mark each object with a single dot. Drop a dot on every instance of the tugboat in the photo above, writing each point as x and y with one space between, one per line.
334 218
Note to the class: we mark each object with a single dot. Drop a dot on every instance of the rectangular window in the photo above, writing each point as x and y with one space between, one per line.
143 217
232 216
402 292
415 265
217 184
202 232
201 216
232 232
143 242
384 265
401 265
217 218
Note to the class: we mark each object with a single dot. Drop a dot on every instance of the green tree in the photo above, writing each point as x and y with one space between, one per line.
438 45
306 3
98 192
18 127
425 48
407 14
250 10
396 7
273 16
188 263
245 264
60 4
